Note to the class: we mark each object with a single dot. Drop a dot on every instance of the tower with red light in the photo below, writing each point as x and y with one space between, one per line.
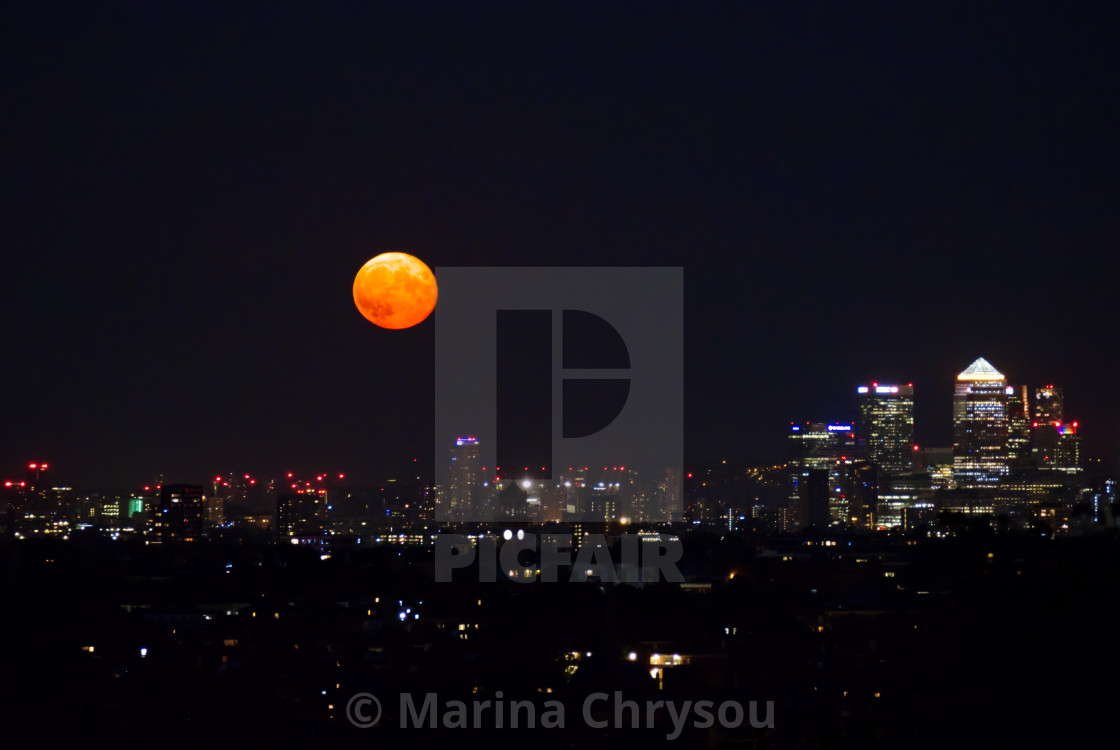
468 489
886 426
1055 442
180 515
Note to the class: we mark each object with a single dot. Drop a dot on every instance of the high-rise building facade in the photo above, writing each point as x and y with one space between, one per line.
863 494
301 515
828 448
181 513
1018 427
980 426
886 426
465 500
1055 443
1048 404
1057 446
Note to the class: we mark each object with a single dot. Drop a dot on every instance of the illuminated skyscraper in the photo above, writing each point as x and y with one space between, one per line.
215 511
1018 426
465 486
830 450
179 517
1056 446
1068 456
1048 404
863 494
886 426
301 515
980 426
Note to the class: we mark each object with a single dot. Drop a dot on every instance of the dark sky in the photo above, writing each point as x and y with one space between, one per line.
856 191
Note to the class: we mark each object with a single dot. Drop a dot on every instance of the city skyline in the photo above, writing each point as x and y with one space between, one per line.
805 310
180 254
1013 449
845 408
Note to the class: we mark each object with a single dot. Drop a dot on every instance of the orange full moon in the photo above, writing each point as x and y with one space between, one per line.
395 290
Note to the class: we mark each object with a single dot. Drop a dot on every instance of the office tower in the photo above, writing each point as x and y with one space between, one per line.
465 501
1048 404
1056 446
886 426
215 511
814 495
819 446
110 510
980 426
179 517
603 502
862 490
1104 499
301 515
1018 427
425 503
1055 443
1068 454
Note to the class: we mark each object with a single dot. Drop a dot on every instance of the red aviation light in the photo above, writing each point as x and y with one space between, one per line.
7 484
33 466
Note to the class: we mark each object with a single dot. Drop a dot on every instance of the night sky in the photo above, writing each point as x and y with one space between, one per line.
856 192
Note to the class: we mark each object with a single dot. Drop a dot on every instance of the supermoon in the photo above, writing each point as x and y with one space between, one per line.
395 290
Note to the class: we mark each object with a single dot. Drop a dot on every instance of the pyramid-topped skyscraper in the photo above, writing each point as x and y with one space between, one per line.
981 369
980 426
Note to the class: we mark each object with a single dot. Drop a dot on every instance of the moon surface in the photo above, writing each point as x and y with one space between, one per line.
395 290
